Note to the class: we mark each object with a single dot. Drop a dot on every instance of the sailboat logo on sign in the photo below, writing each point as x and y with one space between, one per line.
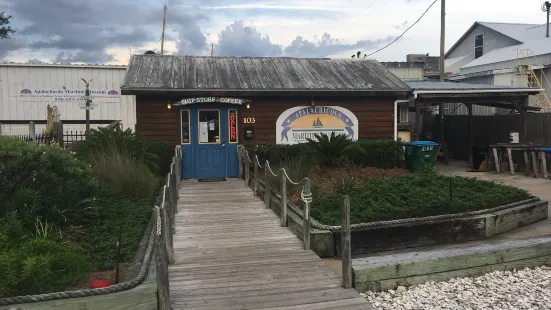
300 123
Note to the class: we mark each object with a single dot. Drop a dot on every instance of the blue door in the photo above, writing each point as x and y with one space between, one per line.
208 153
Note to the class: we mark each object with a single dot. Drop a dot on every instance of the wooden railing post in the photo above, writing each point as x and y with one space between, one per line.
255 175
267 194
247 172
307 192
345 241
283 198
161 260
32 131
240 159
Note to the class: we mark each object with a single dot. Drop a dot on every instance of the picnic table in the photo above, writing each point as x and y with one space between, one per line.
528 150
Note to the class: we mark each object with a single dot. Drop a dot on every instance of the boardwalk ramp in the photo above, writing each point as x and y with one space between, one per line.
232 253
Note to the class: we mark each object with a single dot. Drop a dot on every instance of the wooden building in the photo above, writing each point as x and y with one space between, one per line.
210 105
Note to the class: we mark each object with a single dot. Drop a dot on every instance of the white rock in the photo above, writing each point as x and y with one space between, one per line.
520 289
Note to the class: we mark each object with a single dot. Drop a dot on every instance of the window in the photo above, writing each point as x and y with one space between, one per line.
186 139
403 114
209 126
478 45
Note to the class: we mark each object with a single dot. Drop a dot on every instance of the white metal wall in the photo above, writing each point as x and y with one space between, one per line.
492 40
16 77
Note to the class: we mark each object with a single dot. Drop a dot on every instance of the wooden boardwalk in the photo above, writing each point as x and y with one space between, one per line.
232 253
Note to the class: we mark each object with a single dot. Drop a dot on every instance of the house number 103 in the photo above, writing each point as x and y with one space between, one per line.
248 120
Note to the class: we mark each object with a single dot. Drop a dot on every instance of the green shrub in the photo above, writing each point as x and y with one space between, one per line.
41 266
277 153
124 175
99 239
104 140
384 154
164 154
408 196
45 182
334 149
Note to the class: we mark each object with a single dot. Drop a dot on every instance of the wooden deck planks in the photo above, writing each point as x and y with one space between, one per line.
232 253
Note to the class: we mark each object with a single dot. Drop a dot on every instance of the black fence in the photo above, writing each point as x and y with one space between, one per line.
68 138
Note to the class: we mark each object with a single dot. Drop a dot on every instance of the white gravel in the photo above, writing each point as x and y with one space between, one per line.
503 290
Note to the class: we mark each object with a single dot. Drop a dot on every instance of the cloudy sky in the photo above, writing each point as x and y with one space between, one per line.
108 31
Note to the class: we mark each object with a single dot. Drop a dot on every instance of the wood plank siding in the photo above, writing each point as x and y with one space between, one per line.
375 117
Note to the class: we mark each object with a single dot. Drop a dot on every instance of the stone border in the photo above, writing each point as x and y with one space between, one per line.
386 272
400 236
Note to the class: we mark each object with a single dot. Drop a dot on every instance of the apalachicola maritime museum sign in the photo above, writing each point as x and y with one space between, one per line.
297 124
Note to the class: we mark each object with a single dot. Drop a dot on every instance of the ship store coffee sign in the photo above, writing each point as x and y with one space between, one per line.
300 123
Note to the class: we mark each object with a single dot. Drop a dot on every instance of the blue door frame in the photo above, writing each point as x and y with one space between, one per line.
209 160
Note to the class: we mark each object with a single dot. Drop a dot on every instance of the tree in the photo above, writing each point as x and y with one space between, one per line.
5 30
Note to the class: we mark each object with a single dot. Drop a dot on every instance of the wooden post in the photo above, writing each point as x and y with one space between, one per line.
307 191
470 108
496 158
534 163
247 173
544 165
255 175
418 125
32 131
267 193
511 167
526 163
283 199
0 129
240 159
345 241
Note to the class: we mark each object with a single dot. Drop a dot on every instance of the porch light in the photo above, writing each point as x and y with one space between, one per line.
248 105
169 106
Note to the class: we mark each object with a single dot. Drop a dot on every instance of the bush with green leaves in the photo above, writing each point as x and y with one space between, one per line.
334 149
104 140
409 196
45 182
384 154
41 265
277 153
123 174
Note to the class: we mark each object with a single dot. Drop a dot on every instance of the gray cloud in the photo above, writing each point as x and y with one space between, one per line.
9 45
83 31
240 40
403 25
35 61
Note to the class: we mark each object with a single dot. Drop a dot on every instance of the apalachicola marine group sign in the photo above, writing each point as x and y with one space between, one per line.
297 124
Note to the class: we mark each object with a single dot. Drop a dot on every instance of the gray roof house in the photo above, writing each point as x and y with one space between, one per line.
503 54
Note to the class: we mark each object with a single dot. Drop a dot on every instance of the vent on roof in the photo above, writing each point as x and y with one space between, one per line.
149 53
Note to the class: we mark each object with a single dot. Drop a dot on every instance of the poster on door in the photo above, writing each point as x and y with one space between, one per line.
203 132
297 124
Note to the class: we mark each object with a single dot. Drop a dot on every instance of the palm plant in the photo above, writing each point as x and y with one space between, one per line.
334 149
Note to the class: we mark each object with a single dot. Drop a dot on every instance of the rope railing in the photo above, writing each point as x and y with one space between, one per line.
160 243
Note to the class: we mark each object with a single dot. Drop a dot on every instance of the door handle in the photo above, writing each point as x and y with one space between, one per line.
223 144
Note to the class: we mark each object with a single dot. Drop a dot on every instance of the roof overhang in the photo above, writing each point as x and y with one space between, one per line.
266 93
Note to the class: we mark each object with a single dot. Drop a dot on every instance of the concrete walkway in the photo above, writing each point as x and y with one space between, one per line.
232 253
538 187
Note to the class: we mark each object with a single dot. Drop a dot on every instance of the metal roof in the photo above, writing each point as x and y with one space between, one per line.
156 73
537 47
427 86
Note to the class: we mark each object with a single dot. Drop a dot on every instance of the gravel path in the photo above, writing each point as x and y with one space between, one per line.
520 289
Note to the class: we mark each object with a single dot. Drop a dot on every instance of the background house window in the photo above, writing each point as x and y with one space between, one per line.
478 45
403 114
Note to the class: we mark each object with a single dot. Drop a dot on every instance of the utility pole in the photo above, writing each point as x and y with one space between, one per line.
88 101
546 7
163 34
442 37
212 50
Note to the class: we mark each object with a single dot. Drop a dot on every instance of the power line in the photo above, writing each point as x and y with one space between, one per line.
382 48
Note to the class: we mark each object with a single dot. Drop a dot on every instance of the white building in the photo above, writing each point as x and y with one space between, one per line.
27 89
503 54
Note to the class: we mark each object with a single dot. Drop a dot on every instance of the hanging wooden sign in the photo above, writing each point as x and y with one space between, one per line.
195 100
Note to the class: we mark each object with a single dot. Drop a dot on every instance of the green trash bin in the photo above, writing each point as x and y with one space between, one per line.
420 154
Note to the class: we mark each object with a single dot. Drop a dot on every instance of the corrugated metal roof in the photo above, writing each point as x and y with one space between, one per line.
443 86
256 74
537 47
519 32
